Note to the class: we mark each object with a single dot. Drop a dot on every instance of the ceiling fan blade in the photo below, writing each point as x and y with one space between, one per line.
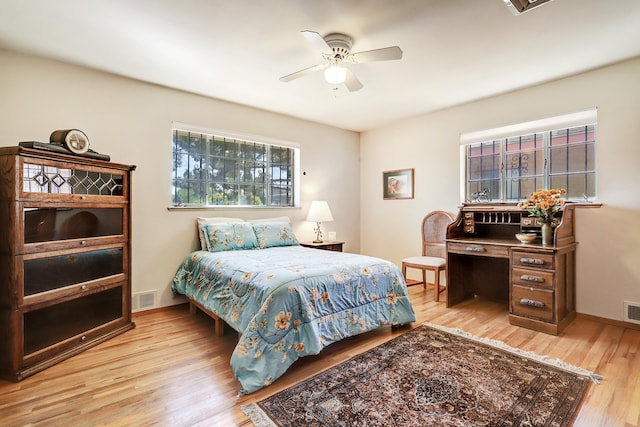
303 73
317 40
351 82
384 54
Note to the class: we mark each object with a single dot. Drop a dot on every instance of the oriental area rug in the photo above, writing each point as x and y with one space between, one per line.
432 376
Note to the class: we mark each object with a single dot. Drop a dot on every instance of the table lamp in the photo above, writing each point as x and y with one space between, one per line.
319 212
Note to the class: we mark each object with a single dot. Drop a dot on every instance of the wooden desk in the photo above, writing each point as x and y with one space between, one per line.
484 259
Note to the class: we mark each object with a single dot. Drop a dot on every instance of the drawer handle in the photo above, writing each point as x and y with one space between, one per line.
83 287
475 249
83 242
534 261
83 338
530 278
531 303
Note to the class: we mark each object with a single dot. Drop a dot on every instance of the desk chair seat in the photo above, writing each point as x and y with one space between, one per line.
426 261
434 233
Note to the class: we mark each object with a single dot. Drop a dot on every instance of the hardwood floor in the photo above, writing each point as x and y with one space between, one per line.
172 371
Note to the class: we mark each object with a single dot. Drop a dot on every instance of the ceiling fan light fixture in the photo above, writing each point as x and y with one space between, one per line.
335 74
336 50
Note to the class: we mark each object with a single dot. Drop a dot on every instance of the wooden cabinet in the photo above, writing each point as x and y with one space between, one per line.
542 288
65 257
484 259
327 246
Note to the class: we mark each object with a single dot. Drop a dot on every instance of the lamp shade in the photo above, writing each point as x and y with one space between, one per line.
319 212
335 74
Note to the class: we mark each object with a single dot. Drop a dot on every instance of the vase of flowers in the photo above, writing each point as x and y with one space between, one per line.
547 234
545 206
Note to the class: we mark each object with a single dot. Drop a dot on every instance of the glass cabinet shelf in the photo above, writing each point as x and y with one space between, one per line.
46 274
45 224
53 324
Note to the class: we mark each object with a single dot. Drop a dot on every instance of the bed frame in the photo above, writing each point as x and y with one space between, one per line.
219 323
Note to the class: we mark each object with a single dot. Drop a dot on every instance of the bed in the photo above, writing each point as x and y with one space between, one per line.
286 301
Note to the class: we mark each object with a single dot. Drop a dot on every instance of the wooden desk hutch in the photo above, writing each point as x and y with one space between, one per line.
485 259
64 256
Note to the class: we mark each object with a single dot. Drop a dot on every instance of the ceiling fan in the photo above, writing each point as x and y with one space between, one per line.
336 52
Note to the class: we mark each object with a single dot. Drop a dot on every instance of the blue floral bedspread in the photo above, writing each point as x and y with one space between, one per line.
289 302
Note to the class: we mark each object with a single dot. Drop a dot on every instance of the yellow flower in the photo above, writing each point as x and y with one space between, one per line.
242 350
392 298
283 320
544 205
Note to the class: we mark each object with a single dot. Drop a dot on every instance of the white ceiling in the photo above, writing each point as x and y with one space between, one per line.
455 51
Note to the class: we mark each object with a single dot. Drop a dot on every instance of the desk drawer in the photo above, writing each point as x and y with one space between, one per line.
478 249
532 302
532 260
537 278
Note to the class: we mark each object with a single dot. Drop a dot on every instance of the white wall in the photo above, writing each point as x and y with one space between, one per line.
608 254
131 121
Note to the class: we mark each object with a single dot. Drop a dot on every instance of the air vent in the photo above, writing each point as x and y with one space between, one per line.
143 300
521 6
632 312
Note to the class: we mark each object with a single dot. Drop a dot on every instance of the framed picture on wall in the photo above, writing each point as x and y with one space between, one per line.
397 184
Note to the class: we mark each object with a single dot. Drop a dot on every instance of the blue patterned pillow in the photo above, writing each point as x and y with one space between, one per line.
270 234
229 237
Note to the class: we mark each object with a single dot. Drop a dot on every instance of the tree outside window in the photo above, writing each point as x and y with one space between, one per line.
210 170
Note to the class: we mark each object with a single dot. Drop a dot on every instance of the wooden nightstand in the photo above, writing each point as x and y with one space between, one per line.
326 245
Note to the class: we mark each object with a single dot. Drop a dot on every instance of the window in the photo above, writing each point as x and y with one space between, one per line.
210 170
510 168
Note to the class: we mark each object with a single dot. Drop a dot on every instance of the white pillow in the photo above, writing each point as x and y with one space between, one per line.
274 219
202 221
